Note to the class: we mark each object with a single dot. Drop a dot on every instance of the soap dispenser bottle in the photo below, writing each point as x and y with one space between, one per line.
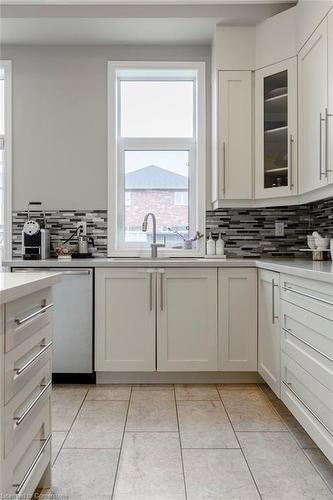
220 246
210 245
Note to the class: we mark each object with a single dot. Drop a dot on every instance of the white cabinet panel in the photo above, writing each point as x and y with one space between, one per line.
309 14
269 329
125 320
237 319
330 99
235 135
187 320
312 100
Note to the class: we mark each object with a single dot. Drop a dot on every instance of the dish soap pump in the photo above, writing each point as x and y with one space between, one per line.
210 245
220 246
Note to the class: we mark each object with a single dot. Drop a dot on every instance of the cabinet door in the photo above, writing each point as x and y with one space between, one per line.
276 130
269 329
125 320
312 94
330 100
237 313
235 135
187 320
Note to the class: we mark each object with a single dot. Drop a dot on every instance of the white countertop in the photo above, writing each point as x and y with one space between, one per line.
16 285
322 271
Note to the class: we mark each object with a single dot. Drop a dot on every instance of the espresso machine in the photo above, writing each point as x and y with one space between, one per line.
35 236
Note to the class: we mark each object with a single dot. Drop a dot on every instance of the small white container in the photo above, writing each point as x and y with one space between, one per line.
311 242
220 246
211 245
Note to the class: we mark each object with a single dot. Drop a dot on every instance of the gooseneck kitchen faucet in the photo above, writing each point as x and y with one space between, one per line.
154 246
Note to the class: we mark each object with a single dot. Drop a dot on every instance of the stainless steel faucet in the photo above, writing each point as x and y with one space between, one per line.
154 246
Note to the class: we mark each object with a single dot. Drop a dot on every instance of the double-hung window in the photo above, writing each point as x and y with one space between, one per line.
156 155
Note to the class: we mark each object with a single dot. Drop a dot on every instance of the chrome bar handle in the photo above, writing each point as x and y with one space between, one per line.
291 161
290 388
19 420
274 317
161 273
321 119
20 370
33 315
19 487
290 332
327 117
288 289
150 291
81 272
224 166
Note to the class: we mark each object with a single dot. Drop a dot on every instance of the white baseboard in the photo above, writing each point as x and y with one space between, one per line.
177 377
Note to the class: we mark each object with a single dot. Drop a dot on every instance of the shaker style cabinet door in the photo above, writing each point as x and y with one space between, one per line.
269 329
312 105
237 319
187 319
125 320
276 130
330 100
235 135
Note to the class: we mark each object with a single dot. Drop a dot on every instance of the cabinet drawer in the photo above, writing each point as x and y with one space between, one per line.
309 391
25 316
311 295
22 411
25 465
308 339
23 362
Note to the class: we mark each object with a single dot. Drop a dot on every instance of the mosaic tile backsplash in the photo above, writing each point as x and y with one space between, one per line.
246 232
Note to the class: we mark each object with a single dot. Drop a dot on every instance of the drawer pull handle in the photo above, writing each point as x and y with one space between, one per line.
307 343
274 317
289 387
19 487
33 315
20 370
20 419
288 289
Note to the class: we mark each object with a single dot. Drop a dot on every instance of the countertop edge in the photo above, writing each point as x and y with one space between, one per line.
32 284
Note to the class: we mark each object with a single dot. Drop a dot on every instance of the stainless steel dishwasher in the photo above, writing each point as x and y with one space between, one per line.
73 323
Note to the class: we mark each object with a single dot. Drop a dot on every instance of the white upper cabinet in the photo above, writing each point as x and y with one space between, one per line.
234 155
313 103
309 14
276 38
187 319
330 99
125 320
276 130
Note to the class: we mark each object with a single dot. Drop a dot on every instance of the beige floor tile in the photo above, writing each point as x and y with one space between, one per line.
196 392
58 439
109 392
152 411
84 474
280 468
322 465
301 436
218 474
152 387
205 424
71 389
250 410
65 406
150 467
268 392
233 387
99 424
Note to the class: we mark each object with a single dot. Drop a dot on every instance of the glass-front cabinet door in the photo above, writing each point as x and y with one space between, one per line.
276 130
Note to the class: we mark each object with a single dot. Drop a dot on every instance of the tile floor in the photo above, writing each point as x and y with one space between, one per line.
194 442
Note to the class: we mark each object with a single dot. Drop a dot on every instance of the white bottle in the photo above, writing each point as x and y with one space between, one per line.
210 245
220 246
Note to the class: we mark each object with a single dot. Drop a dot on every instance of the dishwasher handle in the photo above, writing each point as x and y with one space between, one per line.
68 272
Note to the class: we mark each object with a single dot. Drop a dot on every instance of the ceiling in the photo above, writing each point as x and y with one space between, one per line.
127 24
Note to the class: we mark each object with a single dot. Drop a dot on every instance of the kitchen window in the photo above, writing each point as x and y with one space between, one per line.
5 159
156 155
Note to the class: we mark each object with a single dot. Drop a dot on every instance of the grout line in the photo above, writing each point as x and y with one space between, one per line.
180 443
241 449
121 444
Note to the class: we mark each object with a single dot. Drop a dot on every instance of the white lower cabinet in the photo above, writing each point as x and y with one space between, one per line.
187 320
125 319
237 311
269 329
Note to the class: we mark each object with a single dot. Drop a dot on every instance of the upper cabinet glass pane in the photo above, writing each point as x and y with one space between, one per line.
276 130
156 108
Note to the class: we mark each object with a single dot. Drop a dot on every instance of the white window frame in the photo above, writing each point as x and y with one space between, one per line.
7 250
117 146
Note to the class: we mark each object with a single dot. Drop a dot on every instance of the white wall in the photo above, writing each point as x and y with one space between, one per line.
60 119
